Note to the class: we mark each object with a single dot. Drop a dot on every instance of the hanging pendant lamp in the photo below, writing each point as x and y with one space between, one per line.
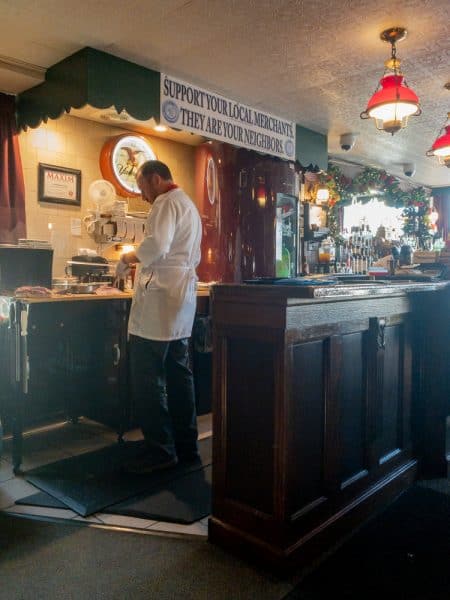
393 104
441 146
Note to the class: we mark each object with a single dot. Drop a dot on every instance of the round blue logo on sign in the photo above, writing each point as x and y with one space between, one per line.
289 147
170 111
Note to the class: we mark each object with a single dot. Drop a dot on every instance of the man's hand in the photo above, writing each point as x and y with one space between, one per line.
122 269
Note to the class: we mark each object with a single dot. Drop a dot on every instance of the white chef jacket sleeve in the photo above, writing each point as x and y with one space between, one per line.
160 231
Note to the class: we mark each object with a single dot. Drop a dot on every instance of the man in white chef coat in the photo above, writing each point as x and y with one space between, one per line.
161 319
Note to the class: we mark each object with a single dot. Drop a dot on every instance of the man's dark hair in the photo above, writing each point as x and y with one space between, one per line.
155 166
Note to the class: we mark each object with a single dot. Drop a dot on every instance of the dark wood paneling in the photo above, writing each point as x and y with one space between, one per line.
432 383
352 402
315 543
306 425
391 394
327 387
250 434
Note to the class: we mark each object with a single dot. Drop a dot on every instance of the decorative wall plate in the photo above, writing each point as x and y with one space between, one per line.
120 158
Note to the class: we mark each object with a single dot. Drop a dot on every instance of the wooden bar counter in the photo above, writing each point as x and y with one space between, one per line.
315 392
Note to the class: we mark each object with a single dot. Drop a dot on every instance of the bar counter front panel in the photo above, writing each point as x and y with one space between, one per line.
312 413
65 357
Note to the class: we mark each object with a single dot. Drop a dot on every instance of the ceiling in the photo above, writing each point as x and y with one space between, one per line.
316 62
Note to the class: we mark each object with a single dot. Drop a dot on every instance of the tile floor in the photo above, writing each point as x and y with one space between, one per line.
61 440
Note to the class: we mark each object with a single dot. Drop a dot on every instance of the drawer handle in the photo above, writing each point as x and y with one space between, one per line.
116 352
381 342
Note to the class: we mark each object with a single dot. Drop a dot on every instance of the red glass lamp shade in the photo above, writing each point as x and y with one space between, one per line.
441 147
392 105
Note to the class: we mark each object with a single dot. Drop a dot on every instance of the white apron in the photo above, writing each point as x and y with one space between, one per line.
164 301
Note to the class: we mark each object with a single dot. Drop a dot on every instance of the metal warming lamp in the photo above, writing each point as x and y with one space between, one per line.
441 146
393 103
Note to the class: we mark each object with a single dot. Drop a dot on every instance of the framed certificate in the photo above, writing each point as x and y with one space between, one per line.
59 184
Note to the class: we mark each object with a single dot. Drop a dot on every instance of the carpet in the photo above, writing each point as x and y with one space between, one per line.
89 482
185 499
73 561
403 553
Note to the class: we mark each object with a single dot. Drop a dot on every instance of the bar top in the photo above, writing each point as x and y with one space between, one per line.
80 297
323 292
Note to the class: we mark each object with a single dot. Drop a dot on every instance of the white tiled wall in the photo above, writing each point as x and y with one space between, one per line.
76 143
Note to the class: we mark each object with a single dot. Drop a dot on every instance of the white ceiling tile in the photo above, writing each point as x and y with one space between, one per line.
315 62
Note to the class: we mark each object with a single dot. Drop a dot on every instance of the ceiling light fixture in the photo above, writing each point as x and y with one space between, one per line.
395 102
441 146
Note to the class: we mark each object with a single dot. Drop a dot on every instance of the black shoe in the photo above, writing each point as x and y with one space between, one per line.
149 464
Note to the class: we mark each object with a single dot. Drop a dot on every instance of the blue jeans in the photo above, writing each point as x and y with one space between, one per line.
163 396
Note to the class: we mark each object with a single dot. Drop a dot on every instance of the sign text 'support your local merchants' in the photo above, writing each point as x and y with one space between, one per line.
193 108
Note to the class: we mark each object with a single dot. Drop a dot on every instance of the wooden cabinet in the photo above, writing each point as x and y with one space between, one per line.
73 354
68 359
7 371
45 387
98 365
311 416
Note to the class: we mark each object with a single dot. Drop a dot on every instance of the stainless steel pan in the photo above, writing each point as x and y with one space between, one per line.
78 288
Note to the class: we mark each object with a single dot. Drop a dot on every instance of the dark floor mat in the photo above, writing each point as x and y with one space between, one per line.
92 481
41 499
403 553
185 499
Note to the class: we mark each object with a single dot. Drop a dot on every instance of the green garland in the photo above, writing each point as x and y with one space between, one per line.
371 180
343 189
339 186
334 226
416 217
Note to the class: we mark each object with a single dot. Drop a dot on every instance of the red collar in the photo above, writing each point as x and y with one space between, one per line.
172 186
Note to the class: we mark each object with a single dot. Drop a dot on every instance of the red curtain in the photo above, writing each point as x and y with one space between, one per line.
12 188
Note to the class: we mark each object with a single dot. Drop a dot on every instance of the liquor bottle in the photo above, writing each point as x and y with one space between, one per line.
283 266
305 266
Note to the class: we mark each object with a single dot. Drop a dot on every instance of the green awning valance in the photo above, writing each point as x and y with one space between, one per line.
101 80
91 77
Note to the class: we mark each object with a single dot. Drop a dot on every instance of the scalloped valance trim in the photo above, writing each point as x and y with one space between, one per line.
95 78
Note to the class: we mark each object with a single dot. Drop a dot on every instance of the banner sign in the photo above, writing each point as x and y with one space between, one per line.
188 107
